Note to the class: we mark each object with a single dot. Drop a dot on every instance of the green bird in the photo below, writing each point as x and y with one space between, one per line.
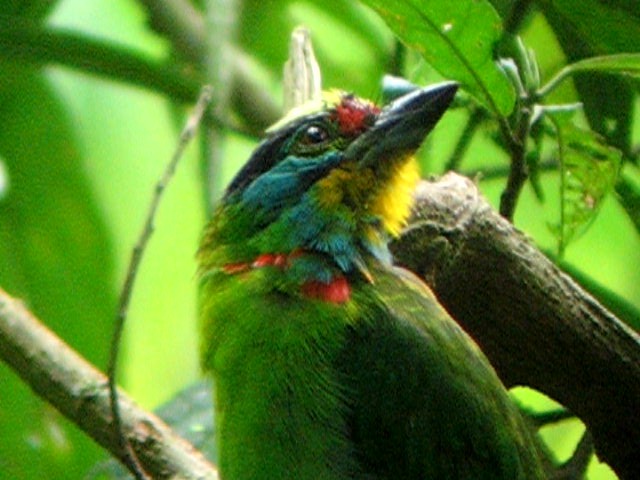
328 361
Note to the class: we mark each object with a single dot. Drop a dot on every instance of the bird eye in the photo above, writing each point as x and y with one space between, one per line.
314 135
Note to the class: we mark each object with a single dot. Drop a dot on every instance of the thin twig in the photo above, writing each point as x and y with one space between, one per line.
125 296
500 172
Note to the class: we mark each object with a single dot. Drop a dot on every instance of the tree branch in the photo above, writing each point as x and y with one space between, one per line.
79 391
536 325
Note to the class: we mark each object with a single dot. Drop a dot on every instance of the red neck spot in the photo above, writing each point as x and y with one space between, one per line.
233 268
354 115
336 291
271 259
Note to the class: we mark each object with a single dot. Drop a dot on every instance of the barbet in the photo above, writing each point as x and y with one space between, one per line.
329 362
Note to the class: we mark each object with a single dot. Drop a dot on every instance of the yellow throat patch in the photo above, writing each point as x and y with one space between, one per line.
394 202
390 199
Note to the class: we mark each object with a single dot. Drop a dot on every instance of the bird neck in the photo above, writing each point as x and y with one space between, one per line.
307 249
334 230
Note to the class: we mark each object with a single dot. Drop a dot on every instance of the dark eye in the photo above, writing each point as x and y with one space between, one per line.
313 135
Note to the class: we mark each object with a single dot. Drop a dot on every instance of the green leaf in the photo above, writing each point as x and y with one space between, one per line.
622 63
603 27
458 40
55 255
628 193
589 169
590 28
36 9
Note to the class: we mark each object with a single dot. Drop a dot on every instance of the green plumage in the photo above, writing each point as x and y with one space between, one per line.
328 362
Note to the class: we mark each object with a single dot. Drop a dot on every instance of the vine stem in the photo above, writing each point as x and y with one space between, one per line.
517 143
186 135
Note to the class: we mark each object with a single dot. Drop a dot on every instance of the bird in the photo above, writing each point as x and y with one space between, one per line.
328 361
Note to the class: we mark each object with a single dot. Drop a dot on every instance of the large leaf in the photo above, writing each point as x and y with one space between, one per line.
54 254
587 28
589 169
457 39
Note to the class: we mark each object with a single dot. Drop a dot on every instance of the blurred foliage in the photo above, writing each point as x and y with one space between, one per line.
92 98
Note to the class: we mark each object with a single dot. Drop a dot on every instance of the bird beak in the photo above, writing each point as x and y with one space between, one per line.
402 125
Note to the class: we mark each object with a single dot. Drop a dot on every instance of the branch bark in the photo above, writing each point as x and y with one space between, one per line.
536 325
79 391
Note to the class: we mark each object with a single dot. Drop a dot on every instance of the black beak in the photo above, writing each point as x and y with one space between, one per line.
402 125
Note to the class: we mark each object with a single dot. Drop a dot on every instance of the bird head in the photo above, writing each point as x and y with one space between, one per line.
334 179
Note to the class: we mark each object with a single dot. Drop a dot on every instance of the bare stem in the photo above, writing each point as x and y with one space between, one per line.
25 41
125 296
517 144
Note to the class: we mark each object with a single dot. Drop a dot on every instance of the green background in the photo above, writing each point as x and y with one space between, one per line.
81 155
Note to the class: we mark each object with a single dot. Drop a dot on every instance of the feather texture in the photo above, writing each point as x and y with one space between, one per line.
328 362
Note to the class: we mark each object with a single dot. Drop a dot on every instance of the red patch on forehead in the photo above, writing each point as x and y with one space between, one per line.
354 115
